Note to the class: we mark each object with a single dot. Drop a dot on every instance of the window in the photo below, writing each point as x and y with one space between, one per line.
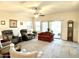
44 26
37 26
28 25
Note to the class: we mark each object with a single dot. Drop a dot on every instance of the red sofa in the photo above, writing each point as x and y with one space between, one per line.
46 36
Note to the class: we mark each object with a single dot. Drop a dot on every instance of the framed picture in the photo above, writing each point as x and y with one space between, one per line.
13 23
3 22
21 23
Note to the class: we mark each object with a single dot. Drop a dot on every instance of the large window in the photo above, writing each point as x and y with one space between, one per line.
28 25
44 26
37 26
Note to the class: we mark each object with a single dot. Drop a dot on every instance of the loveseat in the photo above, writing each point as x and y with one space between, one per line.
46 36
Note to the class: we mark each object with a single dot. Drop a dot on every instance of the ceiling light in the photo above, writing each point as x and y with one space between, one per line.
36 16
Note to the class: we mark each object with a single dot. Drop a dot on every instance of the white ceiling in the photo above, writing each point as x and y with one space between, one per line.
45 7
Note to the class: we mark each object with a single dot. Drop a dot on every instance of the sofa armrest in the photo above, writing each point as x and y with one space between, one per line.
6 43
1 56
4 49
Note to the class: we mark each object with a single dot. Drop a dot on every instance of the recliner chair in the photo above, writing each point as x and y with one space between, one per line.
8 36
24 34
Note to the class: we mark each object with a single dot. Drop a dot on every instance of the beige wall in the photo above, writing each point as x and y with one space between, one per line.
19 18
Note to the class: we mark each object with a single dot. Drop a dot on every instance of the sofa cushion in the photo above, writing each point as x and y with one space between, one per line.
5 37
9 37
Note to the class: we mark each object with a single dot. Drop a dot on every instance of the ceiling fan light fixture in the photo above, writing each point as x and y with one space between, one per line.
36 13
36 16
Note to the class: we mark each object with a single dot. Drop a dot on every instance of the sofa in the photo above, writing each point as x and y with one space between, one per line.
46 36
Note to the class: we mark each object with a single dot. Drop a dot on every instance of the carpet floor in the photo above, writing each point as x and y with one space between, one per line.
54 49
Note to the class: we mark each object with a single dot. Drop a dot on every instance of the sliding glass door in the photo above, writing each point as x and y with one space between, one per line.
55 26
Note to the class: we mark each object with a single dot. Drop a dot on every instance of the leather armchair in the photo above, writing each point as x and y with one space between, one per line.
8 36
24 34
23 31
4 51
45 36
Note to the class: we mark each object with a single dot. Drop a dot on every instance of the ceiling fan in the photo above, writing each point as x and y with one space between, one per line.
37 11
35 8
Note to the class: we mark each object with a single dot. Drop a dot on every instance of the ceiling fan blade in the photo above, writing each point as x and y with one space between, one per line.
41 15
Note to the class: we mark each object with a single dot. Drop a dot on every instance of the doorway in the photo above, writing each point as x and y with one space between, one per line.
55 26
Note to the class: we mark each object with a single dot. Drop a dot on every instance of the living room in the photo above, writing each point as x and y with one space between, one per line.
38 16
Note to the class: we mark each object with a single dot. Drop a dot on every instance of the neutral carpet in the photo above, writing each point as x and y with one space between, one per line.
55 49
